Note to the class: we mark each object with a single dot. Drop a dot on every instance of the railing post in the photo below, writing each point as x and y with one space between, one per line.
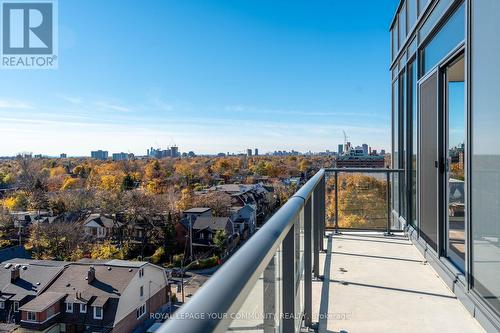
288 319
322 205
388 179
337 232
269 295
316 232
308 234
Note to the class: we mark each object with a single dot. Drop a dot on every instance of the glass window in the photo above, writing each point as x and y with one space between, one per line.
97 312
421 5
83 308
402 24
485 177
455 147
412 48
16 306
450 35
395 40
434 18
69 307
412 13
31 316
403 144
413 115
395 145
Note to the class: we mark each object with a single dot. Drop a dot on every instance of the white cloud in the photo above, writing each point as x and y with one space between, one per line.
72 99
12 104
111 106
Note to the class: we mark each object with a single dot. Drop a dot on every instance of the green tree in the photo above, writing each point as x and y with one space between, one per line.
220 241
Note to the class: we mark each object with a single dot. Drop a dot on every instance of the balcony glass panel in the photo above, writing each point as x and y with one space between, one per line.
485 177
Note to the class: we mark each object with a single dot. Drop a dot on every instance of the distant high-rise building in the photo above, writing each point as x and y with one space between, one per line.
341 149
382 152
249 152
347 147
256 152
63 155
121 156
99 154
174 151
365 148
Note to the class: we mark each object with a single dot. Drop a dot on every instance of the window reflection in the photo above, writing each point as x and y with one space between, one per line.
455 105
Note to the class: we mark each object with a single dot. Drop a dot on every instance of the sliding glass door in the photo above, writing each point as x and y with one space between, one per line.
454 132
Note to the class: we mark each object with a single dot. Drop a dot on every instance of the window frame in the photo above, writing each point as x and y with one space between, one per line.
95 312
69 307
82 307
28 313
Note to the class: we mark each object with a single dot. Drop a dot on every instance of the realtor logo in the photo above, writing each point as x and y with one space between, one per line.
29 34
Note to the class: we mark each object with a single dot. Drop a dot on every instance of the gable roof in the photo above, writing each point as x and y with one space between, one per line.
97 220
197 210
212 222
34 276
105 291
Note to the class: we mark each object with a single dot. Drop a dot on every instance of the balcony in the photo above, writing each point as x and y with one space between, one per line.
332 259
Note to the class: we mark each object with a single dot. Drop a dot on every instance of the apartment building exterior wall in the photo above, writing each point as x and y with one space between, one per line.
445 116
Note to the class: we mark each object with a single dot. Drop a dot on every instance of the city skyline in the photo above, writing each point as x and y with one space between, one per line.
236 71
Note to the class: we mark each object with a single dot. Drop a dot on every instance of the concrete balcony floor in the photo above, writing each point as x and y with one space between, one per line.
378 284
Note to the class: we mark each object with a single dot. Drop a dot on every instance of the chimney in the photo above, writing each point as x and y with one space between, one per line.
15 273
91 274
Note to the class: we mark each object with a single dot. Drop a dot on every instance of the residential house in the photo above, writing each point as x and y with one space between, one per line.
244 220
205 227
188 218
99 226
22 280
101 296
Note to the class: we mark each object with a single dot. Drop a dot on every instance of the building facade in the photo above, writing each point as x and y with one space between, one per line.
445 114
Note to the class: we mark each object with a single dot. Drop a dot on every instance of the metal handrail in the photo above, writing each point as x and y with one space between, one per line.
224 293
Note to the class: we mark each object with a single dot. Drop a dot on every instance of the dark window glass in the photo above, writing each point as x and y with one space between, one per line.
485 177
403 145
413 117
450 35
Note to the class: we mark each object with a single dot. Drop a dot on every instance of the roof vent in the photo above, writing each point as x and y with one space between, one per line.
130 269
25 268
18 266
38 283
109 268
7 265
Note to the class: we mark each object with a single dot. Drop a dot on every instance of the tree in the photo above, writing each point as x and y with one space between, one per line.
19 201
105 250
186 201
219 202
220 241
169 234
59 241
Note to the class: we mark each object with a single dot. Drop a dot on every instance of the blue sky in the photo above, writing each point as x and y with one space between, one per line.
210 76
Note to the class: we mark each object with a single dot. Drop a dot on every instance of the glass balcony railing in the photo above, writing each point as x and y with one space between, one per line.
360 199
266 286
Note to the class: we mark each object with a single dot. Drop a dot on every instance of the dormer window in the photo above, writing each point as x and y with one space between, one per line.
97 312
69 307
141 291
16 306
83 308
141 272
